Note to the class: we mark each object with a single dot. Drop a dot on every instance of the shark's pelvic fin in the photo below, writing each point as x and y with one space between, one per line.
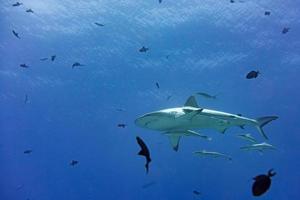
174 140
262 121
191 101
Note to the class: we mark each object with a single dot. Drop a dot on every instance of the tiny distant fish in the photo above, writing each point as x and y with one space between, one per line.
259 147
285 30
17 4
24 66
120 109
29 11
196 192
122 125
207 95
232 1
76 64
53 58
267 13
148 184
169 97
159 1
144 152
157 85
43 59
26 99
16 34
98 24
252 74
74 162
212 154
262 183
247 137
143 49
27 151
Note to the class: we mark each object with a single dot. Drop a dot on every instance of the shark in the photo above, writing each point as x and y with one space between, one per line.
182 121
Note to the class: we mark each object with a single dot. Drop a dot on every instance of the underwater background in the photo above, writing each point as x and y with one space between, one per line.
63 113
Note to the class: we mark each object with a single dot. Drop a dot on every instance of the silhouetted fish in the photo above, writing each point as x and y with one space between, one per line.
144 152
27 151
26 99
169 97
29 11
196 192
148 184
122 125
207 95
143 49
24 66
267 13
232 1
285 30
252 74
16 34
262 183
76 64
43 59
157 85
17 4
53 57
159 1
98 24
74 162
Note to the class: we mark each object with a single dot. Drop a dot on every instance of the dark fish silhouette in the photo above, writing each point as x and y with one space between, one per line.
27 151
29 11
148 184
122 125
74 162
76 64
144 152
169 97
143 49
53 57
98 24
252 74
17 4
120 109
285 30
26 99
196 192
43 59
157 85
159 1
207 95
262 183
24 66
267 13
232 1
16 34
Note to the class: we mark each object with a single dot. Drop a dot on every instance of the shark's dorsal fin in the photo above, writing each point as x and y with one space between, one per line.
174 140
191 101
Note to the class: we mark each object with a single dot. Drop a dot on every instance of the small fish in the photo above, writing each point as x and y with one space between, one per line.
26 99
207 95
27 151
76 64
148 184
122 125
232 1
212 154
262 183
74 162
143 49
120 109
259 147
196 192
247 137
16 34
29 11
43 59
98 24
17 4
24 66
53 58
157 85
159 1
169 97
252 74
267 13
285 30
144 152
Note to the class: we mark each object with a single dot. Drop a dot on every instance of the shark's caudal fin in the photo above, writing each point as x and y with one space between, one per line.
191 101
262 121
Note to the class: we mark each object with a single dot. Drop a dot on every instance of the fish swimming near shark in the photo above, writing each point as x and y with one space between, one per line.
247 137
213 154
203 94
259 147
178 122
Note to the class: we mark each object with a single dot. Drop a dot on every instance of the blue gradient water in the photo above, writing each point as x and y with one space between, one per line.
71 114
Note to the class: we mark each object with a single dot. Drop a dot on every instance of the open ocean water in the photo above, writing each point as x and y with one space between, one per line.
74 77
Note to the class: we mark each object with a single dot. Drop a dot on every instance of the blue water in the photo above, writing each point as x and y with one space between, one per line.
71 114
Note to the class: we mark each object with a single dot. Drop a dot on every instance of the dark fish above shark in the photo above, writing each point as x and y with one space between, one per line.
144 49
16 34
144 152
203 94
17 4
76 64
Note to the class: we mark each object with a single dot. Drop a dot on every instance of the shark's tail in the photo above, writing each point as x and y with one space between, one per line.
262 121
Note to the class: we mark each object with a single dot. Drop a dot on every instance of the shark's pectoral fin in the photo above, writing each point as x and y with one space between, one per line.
174 140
